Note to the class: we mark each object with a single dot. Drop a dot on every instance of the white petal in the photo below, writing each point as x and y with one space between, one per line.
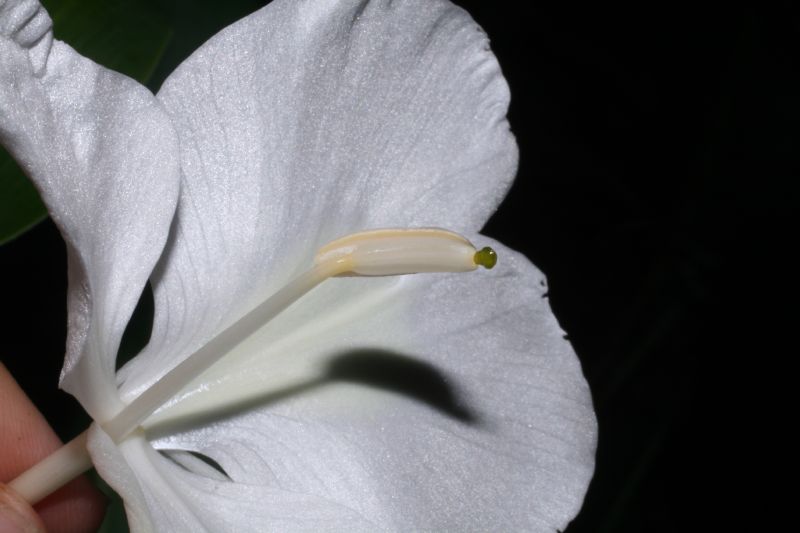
313 119
28 24
164 494
116 464
445 402
102 153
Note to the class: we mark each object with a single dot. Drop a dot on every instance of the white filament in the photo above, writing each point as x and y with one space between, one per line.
388 252
372 253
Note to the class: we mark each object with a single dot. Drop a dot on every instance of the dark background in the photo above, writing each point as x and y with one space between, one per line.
656 189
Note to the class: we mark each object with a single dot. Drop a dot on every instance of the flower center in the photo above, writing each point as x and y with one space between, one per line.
387 252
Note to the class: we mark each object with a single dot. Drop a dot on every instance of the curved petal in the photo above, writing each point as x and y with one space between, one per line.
309 120
103 155
446 402
29 25
164 494
116 464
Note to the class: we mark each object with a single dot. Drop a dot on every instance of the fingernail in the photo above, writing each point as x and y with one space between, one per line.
16 516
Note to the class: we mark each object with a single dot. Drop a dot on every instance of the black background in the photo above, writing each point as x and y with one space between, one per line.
656 188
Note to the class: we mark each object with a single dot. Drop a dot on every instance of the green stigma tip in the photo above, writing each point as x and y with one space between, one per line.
485 257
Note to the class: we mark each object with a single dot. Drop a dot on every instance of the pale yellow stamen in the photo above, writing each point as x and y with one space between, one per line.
386 252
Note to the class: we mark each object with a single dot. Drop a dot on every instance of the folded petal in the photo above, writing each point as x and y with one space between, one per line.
116 463
170 492
28 24
437 403
309 120
103 155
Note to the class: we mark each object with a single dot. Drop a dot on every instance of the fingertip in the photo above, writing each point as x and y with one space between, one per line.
16 516
25 439
76 507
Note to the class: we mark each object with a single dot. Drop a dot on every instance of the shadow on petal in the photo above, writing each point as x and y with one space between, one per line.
401 374
375 368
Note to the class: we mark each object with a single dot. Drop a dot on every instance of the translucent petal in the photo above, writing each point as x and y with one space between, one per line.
103 155
162 494
439 402
310 120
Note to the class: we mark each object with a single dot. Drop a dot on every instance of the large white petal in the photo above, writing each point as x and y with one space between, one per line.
174 491
309 120
438 402
103 155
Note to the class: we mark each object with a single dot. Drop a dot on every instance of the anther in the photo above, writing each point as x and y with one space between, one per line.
393 252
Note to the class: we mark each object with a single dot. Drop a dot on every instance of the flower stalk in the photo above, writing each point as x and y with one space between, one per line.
54 471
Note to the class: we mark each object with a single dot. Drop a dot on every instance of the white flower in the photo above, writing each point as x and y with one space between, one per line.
304 122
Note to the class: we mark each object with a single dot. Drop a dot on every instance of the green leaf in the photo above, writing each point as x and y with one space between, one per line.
20 206
128 36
